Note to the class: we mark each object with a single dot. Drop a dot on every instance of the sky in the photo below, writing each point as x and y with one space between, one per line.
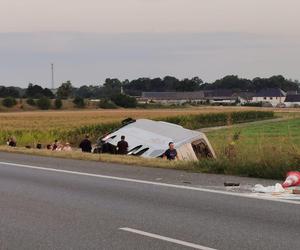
91 40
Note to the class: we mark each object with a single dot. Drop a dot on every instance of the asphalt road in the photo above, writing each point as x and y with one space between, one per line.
76 206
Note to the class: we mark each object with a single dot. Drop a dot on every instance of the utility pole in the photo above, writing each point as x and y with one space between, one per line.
52 76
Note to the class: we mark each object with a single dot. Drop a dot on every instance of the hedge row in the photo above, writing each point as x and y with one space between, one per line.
219 119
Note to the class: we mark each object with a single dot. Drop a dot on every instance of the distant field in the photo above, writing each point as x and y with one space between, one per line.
44 126
47 120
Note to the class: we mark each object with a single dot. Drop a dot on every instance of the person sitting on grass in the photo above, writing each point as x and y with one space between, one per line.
86 145
54 145
67 147
171 153
122 146
12 141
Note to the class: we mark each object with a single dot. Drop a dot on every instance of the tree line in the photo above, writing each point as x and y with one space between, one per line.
114 92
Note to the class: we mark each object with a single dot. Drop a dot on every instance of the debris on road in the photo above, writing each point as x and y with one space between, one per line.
231 184
292 179
296 191
258 188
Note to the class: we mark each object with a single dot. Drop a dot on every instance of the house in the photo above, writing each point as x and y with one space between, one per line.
226 96
172 97
220 96
274 96
150 139
292 101
244 97
217 96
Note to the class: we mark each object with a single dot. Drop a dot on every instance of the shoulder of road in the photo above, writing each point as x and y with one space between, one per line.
169 176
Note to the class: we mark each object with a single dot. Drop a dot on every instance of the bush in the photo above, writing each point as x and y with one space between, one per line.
218 119
58 103
107 104
31 102
44 103
124 101
253 104
79 102
9 102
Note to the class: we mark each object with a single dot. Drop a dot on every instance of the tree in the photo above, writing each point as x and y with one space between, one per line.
9 102
34 91
30 102
9 92
58 103
189 84
124 101
48 93
79 102
43 103
65 91
84 92
107 104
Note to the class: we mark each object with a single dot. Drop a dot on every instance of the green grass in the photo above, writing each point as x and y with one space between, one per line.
266 150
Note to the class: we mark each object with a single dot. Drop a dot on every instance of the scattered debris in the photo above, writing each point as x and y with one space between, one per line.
296 191
258 188
231 184
292 179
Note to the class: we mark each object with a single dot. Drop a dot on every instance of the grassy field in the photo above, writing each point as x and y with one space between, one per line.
262 150
44 126
265 150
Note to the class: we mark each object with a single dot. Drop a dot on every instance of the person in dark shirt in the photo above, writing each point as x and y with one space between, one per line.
54 145
86 145
171 153
122 146
12 142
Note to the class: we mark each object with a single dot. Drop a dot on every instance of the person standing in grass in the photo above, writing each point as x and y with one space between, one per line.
171 153
86 145
122 146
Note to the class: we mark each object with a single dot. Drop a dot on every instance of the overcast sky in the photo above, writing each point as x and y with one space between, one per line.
94 39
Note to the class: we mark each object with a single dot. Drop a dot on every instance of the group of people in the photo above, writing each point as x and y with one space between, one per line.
122 148
58 146
86 146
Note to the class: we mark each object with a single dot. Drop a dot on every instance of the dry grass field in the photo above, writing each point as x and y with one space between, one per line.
47 120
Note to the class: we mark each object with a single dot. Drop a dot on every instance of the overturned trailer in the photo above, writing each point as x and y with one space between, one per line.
150 139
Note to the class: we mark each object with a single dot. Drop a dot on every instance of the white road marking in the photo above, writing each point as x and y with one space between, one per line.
157 236
250 196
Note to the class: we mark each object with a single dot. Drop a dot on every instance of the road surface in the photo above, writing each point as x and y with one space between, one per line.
48 203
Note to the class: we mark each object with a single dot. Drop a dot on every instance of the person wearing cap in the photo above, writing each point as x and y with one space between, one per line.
171 153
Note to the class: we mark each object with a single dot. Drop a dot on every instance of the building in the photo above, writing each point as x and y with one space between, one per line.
172 97
292 101
220 96
217 96
274 96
